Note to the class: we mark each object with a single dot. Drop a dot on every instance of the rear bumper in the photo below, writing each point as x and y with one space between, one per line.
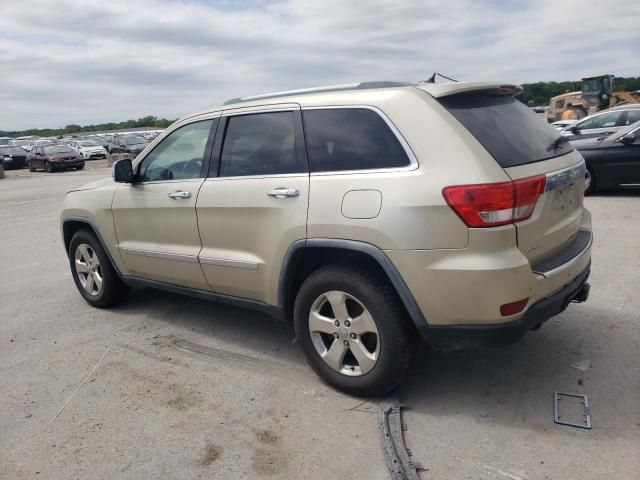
456 337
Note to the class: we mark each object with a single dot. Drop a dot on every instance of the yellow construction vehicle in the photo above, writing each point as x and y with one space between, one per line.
597 94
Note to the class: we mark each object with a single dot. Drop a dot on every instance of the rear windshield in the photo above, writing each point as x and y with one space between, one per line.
509 130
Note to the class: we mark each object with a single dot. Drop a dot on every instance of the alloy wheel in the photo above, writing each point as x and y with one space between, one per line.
344 333
88 269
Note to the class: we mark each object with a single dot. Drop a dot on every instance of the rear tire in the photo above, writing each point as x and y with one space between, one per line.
364 364
31 168
94 276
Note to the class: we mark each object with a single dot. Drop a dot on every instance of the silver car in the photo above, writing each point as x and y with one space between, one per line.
603 124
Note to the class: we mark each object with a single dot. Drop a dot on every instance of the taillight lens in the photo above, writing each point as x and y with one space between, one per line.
495 204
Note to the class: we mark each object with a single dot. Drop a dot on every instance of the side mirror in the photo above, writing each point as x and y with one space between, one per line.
628 139
123 171
574 130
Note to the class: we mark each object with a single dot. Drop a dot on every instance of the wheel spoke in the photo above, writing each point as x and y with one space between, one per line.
319 323
335 355
338 305
365 359
98 281
90 283
363 324
84 252
81 267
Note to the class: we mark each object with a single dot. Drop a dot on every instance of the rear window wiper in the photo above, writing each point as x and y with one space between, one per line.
557 144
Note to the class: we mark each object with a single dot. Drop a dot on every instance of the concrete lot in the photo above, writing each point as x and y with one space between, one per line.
190 389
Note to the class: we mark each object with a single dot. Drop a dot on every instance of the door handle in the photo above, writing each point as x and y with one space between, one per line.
183 195
282 192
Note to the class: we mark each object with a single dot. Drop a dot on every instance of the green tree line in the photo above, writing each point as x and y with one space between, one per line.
148 121
540 93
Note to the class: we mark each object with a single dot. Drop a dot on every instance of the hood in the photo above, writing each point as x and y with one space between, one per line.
62 155
95 148
92 185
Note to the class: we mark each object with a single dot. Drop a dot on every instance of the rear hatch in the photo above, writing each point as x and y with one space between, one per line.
525 147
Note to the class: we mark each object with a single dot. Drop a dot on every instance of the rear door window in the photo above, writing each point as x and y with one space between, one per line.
351 139
260 144
604 120
633 116
506 128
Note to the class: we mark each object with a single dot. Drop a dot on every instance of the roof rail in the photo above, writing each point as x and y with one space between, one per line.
330 88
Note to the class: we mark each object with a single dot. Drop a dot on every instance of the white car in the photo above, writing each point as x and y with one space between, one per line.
88 149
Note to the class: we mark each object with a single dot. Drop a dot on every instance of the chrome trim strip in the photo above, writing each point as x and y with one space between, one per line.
153 182
565 177
275 175
163 255
569 264
223 262
413 161
258 110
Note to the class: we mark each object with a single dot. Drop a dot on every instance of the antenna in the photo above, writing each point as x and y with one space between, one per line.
432 78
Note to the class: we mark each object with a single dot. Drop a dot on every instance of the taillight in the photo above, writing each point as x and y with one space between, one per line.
495 204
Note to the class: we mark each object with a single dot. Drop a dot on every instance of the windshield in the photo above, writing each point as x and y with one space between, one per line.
133 140
507 128
40 143
57 149
12 151
591 86
89 143
20 143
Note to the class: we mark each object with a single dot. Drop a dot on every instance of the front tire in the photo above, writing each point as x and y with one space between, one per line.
31 168
48 168
353 329
589 182
80 167
94 276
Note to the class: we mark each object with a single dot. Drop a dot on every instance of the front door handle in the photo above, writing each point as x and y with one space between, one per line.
282 192
183 195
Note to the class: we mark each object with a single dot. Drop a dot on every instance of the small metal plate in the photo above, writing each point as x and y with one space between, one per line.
586 415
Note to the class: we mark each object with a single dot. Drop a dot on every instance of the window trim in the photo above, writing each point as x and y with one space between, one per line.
216 155
206 157
413 161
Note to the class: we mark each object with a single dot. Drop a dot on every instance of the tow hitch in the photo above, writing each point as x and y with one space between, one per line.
582 294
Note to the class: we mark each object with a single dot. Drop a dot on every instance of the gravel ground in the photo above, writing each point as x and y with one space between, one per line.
188 389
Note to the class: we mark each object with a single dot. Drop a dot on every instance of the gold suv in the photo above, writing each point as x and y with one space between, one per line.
365 214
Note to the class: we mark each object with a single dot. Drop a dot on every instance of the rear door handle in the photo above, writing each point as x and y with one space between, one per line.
183 195
282 192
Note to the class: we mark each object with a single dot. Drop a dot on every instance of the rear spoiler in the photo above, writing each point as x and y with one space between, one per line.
438 90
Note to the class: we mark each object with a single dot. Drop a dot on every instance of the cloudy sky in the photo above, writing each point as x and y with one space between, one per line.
65 61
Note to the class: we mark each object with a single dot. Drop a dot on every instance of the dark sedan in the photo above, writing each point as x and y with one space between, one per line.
612 161
13 157
128 144
55 157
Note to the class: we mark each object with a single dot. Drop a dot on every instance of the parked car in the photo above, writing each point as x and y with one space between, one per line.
367 216
54 157
603 123
19 143
127 144
5 141
13 157
89 149
38 143
612 161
